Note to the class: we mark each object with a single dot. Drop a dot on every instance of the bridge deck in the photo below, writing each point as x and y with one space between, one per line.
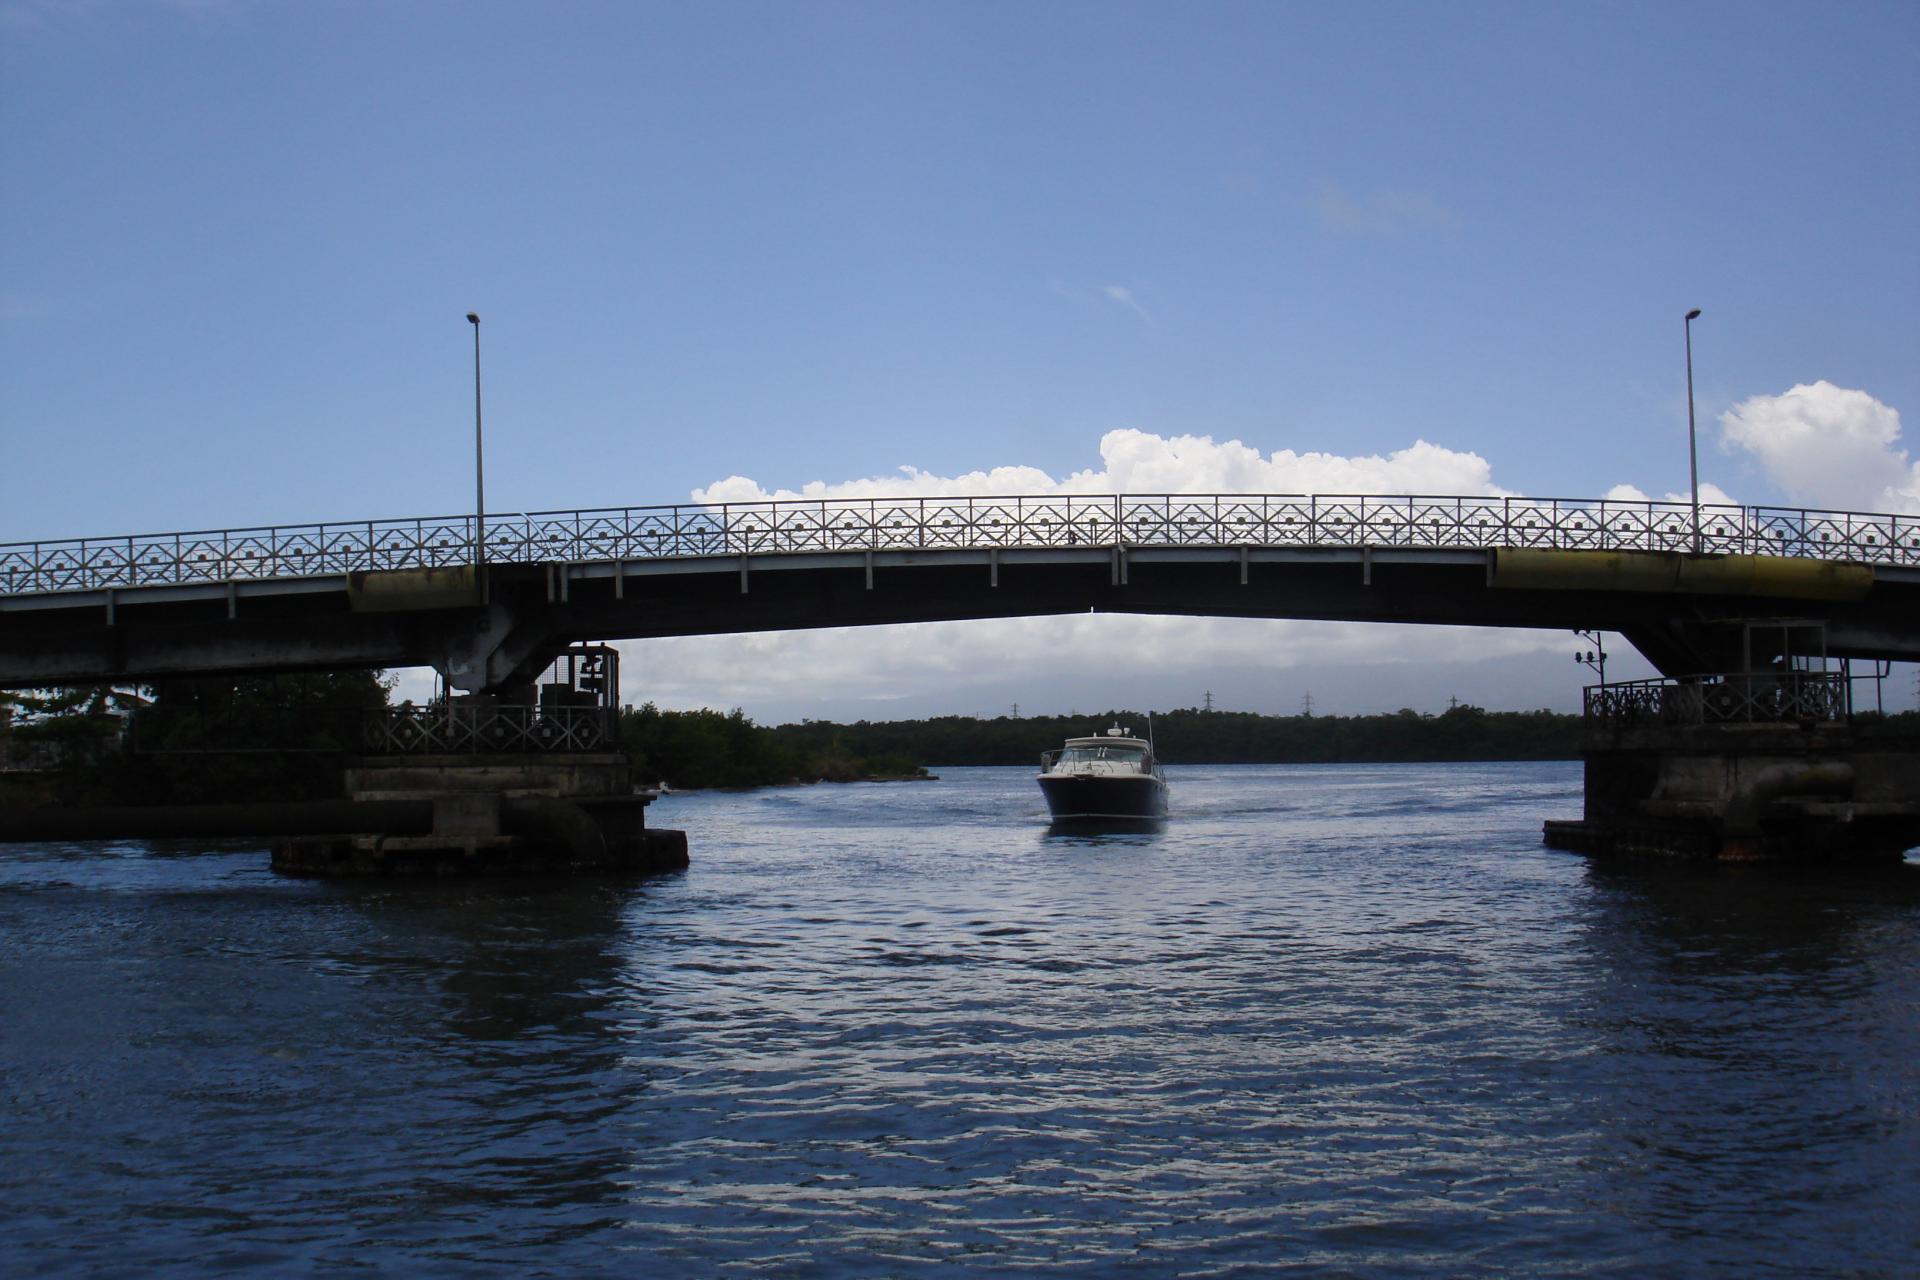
675 532
404 593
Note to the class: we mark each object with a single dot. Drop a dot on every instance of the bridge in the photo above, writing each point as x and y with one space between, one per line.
1751 751
428 592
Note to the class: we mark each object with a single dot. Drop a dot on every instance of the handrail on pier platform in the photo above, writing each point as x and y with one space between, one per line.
1788 697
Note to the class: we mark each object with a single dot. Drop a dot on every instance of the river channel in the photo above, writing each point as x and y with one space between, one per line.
1335 1020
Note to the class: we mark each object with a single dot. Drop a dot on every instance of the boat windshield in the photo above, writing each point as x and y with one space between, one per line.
1082 755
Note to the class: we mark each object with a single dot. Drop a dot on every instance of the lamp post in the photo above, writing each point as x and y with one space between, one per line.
1692 450
479 457
1595 657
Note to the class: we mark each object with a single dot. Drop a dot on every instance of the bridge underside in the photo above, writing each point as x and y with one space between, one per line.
502 630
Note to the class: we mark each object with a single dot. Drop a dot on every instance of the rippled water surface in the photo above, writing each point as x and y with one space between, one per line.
1341 1020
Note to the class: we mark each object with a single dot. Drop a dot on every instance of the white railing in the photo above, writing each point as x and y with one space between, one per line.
887 524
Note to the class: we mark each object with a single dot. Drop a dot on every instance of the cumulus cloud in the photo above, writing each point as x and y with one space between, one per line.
1710 494
907 482
1040 662
1160 662
1826 446
1141 462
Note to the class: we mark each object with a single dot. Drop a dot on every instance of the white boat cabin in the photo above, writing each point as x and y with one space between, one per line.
1113 752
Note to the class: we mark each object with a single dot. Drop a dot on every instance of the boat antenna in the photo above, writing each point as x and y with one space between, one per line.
1149 730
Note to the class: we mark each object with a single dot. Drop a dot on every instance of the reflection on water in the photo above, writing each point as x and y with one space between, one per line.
1743 1017
1333 1020
1096 831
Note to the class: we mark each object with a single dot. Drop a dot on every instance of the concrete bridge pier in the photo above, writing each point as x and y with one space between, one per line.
459 817
532 814
1744 769
527 780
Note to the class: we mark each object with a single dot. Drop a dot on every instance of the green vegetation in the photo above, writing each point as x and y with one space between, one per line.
200 741
279 737
1191 736
51 738
707 749
286 737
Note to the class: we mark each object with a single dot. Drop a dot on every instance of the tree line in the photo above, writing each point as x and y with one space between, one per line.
207 740
1193 736
287 737
185 741
705 748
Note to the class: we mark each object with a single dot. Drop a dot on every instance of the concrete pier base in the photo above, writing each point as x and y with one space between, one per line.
476 856
532 815
1829 792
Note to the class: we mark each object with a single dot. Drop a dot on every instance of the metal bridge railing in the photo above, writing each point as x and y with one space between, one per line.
1786 698
887 524
443 729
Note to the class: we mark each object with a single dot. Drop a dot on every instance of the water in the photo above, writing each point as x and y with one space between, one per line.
1347 1020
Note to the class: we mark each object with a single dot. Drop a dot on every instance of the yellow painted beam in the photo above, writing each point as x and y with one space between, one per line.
1779 577
396 590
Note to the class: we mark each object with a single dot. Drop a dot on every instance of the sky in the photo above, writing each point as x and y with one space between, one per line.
726 250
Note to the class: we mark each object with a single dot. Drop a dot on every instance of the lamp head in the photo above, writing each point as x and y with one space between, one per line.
1691 315
473 317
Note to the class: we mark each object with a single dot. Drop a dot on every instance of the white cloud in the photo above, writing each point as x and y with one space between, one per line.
1710 494
1823 444
1827 446
982 667
908 482
1383 212
1124 296
1141 462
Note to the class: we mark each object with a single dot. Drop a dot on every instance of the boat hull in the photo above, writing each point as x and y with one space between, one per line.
1080 795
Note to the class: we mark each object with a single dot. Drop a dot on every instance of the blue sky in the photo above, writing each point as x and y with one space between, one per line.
817 242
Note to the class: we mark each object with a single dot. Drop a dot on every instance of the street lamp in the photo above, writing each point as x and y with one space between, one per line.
1692 450
479 457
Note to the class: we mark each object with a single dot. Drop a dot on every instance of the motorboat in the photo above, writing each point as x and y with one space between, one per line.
1114 775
